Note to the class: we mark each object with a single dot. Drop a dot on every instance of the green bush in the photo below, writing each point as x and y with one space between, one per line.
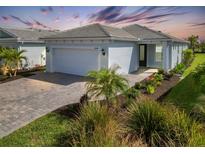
158 78
106 83
179 69
147 120
138 85
159 125
198 112
199 72
187 57
161 71
94 126
183 131
131 95
199 76
150 89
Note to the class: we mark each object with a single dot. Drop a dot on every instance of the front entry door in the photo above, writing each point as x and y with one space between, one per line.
142 55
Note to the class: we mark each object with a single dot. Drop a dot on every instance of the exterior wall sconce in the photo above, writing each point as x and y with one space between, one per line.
47 49
103 52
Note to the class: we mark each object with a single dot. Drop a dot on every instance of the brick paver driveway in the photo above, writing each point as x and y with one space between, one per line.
26 99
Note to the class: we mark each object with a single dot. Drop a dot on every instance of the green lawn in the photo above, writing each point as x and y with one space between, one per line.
49 130
187 93
199 58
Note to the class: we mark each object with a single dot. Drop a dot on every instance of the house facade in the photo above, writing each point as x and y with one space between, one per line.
92 47
28 40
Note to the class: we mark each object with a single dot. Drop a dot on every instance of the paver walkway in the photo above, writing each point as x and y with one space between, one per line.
26 99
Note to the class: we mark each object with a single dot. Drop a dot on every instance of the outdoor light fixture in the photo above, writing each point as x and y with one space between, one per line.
103 52
47 49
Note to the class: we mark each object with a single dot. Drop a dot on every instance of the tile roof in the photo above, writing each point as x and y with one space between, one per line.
27 34
94 31
144 33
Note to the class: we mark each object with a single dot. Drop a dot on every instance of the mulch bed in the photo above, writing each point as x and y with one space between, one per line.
8 79
164 88
21 74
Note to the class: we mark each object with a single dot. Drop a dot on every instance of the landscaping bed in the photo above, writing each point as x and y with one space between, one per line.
21 74
164 88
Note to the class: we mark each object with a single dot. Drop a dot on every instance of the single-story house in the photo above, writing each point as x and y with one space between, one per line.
97 46
26 39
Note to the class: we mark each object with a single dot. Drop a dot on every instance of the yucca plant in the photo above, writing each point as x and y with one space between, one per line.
147 120
94 126
106 83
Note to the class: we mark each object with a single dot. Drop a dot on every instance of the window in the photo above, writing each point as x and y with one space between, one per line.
142 52
158 53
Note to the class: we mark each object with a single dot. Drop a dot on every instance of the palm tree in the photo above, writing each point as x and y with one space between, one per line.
106 83
6 56
193 42
12 59
17 57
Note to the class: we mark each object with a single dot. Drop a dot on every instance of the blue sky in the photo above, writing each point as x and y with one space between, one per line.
178 21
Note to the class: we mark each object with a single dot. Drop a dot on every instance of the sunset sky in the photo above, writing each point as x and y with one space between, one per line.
178 21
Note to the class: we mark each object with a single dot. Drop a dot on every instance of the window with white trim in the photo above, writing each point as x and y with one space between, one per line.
158 53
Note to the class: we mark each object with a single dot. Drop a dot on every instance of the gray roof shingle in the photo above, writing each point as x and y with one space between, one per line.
144 33
93 31
28 34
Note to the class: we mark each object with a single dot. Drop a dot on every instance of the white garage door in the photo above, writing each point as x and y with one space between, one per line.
75 61
121 56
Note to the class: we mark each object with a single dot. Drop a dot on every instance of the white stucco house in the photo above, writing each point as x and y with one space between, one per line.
97 46
26 39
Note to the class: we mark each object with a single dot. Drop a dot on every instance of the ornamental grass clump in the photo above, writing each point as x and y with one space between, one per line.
94 126
147 120
162 125
183 130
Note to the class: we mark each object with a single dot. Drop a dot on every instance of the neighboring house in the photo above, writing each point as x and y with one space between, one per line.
97 46
26 39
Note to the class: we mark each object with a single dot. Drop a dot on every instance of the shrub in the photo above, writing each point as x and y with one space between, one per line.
199 76
159 125
150 89
187 57
106 83
131 95
183 131
179 69
161 71
158 78
147 120
198 112
138 85
199 72
94 126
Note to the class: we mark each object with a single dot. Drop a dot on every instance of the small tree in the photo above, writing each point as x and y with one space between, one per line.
18 57
106 83
187 56
194 44
12 59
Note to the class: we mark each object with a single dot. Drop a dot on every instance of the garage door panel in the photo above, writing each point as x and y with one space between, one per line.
121 56
75 61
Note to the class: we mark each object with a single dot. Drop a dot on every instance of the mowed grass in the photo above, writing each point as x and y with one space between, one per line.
48 130
199 58
188 93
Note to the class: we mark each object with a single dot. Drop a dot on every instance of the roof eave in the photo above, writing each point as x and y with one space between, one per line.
8 39
89 38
